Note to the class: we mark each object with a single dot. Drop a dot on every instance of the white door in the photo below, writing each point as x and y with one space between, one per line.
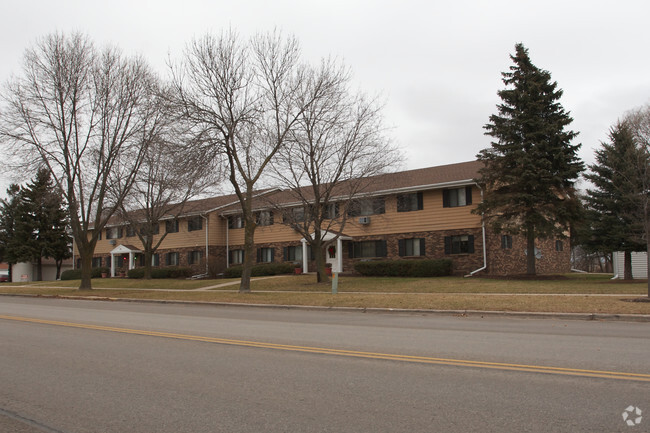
331 257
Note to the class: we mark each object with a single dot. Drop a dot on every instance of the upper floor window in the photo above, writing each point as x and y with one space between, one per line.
171 226
113 232
331 211
409 202
411 247
265 218
371 206
130 231
461 244
194 223
457 197
236 222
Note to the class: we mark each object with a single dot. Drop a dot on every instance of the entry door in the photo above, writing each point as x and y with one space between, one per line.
331 256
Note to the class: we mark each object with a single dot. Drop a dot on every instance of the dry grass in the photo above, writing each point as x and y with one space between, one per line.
438 294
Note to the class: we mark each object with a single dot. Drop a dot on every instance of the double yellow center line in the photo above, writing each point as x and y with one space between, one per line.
350 353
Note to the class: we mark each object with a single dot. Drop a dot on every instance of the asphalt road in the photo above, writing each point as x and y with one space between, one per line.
83 366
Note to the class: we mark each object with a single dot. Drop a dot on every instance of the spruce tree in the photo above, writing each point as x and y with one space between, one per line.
9 217
612 202
530 169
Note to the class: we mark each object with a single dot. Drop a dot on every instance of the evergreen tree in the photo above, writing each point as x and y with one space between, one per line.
530 169
612 202
45 223
9 215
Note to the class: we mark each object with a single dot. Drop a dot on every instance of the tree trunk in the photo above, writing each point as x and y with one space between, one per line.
58 269
530 251
86 254
627 265
147 264
249 253
39 268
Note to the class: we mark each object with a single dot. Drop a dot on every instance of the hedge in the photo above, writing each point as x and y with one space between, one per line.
405 268
166 272
262 270
75 274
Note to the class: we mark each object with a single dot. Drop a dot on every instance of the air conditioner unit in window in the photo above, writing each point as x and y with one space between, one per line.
364 220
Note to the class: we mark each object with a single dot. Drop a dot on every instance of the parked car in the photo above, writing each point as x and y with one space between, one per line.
4 277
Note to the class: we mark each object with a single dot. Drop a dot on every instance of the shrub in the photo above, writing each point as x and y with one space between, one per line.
262 270
75 274
166 272
405 268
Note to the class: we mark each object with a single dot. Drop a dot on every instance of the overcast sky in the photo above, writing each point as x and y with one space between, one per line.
437 64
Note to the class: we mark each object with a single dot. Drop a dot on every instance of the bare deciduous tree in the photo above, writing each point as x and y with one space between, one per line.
171 174
338 142
244 98
84 114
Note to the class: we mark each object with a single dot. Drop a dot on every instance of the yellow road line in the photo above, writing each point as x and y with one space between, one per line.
350 353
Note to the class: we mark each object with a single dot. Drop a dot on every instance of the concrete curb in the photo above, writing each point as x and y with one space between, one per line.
457 313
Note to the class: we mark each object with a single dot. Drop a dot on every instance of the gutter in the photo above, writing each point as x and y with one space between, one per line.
482 268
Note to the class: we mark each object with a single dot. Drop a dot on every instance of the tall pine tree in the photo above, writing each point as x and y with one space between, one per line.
531 167
612 202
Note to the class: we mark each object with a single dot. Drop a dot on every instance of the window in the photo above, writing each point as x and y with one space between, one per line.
294 215
113 232
559 246
457 197
194 223
506 242
331 211
411 247
368 249
463 244
293 254
194 257
235 222
236 257
171 259
409 202
171 226
155 259
130 231
97 262
265 255
368 207
265 218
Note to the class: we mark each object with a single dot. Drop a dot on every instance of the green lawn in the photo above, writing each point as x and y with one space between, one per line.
449 293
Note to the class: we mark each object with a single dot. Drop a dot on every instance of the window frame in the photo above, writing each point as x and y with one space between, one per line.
357 250
265 255
195 223
172 226
455 244
506 242
114 232
410 202
172 257
237 253
408 245
367 207
194 257
452 197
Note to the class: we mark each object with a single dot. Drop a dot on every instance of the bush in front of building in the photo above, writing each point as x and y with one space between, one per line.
75 274
262 270
405 268
159 273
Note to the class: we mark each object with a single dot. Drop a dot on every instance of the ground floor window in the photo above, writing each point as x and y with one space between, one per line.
411 247
97 262
559 246
367 249
461 244
236 257
293 253
265 255
194 257
171 259
155 260
506 242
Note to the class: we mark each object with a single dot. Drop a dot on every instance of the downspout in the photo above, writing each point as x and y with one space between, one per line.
482 268
207 249
227 245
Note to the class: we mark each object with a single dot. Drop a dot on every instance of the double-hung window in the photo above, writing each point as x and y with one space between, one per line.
409 202
456 197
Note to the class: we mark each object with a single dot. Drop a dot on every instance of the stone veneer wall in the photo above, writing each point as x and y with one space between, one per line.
512 261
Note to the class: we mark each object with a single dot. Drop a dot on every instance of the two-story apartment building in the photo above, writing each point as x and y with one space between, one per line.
423 213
